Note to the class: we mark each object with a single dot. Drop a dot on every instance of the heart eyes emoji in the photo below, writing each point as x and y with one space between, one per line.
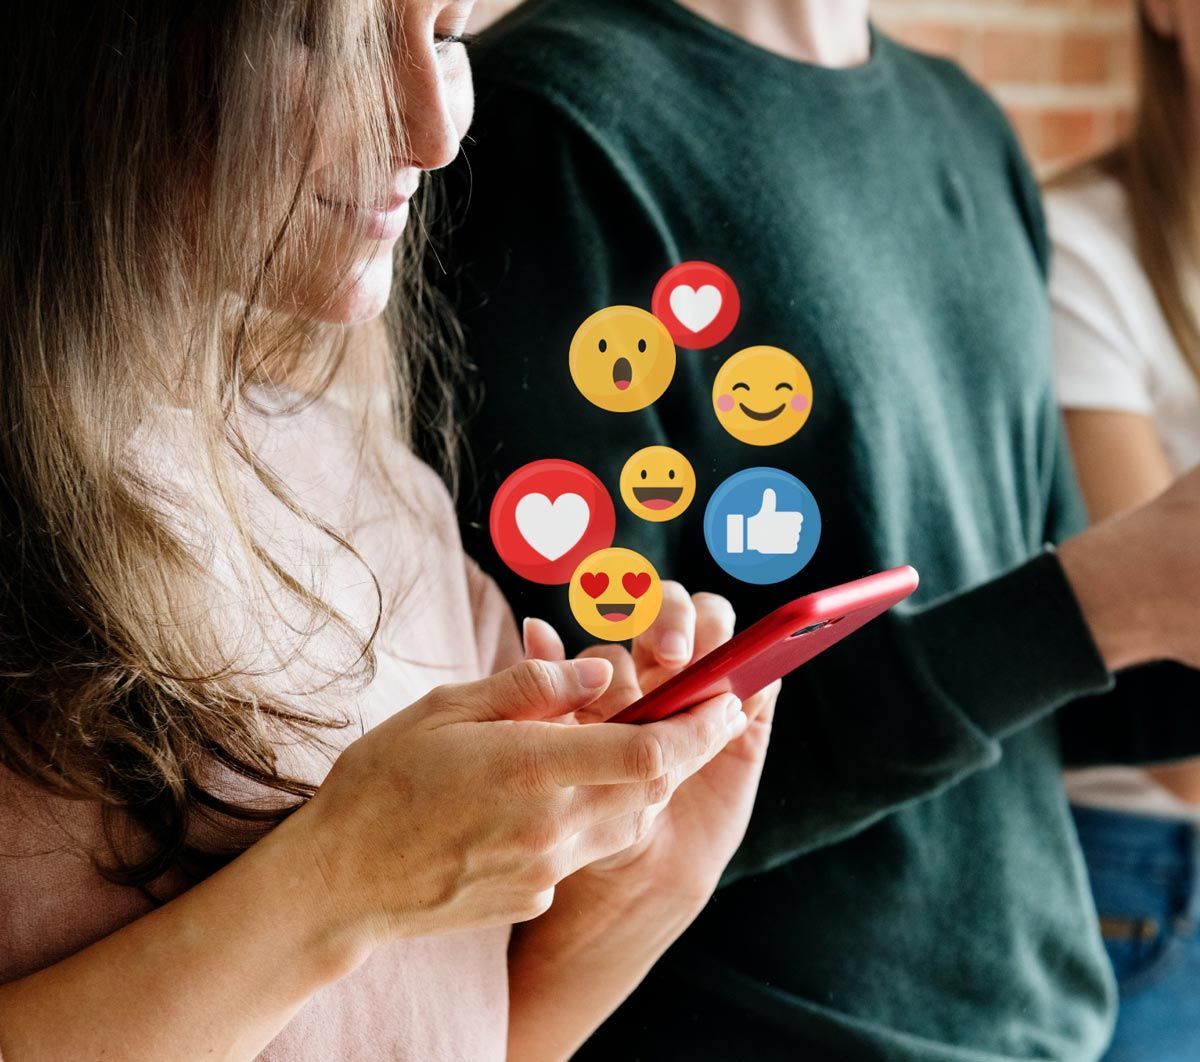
615 594
594 583
636 584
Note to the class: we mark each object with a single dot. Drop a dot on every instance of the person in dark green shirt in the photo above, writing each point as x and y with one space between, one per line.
910 886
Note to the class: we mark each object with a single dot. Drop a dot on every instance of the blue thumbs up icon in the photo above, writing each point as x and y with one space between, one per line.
762 525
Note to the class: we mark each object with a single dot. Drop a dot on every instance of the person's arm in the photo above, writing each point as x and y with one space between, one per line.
1119 459
462 811
216 972
1152 716
1104 377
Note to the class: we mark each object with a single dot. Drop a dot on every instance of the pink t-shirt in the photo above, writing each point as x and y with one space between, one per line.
434 998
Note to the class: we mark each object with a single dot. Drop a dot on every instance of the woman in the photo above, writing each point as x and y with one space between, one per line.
218 582
1126 290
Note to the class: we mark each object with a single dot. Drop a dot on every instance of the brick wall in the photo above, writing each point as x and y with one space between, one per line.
1062 68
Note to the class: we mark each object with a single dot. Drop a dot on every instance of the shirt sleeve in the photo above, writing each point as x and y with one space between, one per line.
1098 363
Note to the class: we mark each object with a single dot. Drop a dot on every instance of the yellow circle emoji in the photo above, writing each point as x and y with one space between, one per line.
615 594
762 395
622 358
658 483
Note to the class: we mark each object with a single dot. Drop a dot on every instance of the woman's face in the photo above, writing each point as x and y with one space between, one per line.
434 78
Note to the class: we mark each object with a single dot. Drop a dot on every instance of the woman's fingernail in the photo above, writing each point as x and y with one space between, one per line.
673 646
525 633
592 674
733 709
738 725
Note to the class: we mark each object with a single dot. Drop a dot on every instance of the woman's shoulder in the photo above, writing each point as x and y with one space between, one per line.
1095 266
346 453
1087 212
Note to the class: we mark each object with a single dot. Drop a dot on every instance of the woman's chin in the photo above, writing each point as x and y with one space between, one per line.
366 296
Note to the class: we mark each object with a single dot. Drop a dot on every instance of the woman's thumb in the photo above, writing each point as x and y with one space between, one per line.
538 689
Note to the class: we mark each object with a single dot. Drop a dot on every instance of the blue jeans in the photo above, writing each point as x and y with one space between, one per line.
1145 873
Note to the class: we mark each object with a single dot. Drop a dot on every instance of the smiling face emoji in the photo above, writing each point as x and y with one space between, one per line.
622 358
615 594
762 395
658 483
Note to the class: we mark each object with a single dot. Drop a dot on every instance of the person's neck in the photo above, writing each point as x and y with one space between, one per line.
833 33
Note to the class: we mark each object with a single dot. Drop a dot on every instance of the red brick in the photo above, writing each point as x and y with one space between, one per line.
939 38
1086 58
1016 56
1028 124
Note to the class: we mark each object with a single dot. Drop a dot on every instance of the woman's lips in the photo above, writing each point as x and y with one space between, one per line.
379 223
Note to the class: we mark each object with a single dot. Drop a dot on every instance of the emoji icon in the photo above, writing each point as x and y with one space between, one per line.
657 483
547 516
698 303
762 395
615 594
762 525
622 359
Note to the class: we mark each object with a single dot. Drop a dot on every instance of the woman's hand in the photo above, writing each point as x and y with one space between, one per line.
612 919
468 808
695 835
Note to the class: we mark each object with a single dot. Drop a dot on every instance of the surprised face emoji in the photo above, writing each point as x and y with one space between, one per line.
622 358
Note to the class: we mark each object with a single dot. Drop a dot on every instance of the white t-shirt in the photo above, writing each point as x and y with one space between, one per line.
1114 350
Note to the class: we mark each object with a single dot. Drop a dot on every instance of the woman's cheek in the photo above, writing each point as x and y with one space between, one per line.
460 95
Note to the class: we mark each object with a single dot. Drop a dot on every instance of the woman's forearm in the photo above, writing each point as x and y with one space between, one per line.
215 973
573 966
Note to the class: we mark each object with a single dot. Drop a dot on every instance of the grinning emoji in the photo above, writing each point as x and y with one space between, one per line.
762 395
622 358
658 484
615 594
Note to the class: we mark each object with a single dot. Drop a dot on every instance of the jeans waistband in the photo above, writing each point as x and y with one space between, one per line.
1162 854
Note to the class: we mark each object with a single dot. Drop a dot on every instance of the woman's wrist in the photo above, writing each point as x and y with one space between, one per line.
573 966
613 904
1117 587
332 938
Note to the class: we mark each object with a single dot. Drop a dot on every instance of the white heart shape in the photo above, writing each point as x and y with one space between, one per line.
552 529
694 308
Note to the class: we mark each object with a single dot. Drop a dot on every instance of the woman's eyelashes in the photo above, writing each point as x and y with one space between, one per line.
448 40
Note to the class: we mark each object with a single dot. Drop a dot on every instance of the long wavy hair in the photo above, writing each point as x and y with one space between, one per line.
158 248
1158 168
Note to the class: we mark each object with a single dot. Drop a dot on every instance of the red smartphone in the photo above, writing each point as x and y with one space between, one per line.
776 645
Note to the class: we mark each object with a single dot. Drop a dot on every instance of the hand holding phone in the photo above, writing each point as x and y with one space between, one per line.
776 645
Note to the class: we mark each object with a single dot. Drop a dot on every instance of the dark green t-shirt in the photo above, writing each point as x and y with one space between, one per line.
911 886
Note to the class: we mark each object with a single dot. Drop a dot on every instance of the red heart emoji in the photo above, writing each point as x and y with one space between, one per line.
636 585
594 583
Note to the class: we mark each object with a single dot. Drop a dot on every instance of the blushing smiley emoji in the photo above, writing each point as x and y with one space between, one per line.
622 358
658 483
762 395
615 594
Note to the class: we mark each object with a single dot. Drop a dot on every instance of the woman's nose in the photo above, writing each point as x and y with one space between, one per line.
431 136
